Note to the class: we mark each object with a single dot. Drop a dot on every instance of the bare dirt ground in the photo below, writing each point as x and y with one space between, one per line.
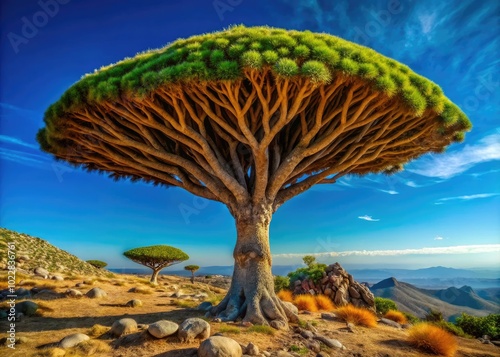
60 317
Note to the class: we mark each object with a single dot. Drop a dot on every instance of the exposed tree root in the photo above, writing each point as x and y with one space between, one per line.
257 307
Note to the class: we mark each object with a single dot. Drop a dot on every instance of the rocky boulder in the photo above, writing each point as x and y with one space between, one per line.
163 328
96 293
73 340
220 346
134 303
193 328
340 286
27 308
123 326
73 293
42 272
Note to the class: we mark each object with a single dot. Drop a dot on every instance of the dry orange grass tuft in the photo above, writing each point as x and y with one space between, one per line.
305 302
397 316
432 339
357 316
285 295
89 348
324 303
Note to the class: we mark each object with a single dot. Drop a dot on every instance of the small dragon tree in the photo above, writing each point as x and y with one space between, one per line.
156 257
97 263
192 269
251 117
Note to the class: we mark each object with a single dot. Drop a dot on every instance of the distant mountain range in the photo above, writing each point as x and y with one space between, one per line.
451 302
429 278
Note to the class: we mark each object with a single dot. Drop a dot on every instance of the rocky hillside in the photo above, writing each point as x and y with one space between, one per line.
32 252
451 302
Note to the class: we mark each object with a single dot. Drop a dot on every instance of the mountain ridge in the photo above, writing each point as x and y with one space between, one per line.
451 302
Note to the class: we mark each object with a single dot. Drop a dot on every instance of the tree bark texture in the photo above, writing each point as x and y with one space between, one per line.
251 295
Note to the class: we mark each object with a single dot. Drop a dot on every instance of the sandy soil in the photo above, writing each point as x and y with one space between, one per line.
60 317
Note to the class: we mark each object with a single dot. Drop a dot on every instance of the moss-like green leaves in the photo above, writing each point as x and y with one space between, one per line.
159 253
228 70
226 55
317 71
286 67
414 99
348 66
216 57
252 59
270 57
301 51
386 85
192 268
368 71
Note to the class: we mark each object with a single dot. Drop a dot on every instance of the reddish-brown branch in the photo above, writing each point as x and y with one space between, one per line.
251 141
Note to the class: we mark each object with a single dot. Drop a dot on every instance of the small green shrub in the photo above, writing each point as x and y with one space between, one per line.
314 271
479 326
97 263
281 283
434 316
300 350
229 329
411 318
266 330
383 305
186 304
452 328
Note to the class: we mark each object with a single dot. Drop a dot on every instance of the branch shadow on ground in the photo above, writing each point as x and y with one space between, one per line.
399 344
185 352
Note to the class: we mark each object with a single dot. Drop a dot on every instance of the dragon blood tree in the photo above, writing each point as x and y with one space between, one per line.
156 257
251 117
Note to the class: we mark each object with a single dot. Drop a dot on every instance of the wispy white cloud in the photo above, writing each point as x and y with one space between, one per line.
466 197
16 141
452 164
368 218
390 192
22 157
427 22
479 174
438 238
13 108
411 184
459 249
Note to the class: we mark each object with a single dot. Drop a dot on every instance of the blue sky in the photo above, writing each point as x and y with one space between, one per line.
442 210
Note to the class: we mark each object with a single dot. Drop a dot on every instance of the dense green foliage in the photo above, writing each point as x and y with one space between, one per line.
452 328
411 318
97 263
156 254
281 283
479 326
314 271
382 305
434 316
191 268
227 54
309 260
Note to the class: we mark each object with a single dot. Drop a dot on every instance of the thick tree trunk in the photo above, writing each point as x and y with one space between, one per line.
192 277
251 295
154 277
